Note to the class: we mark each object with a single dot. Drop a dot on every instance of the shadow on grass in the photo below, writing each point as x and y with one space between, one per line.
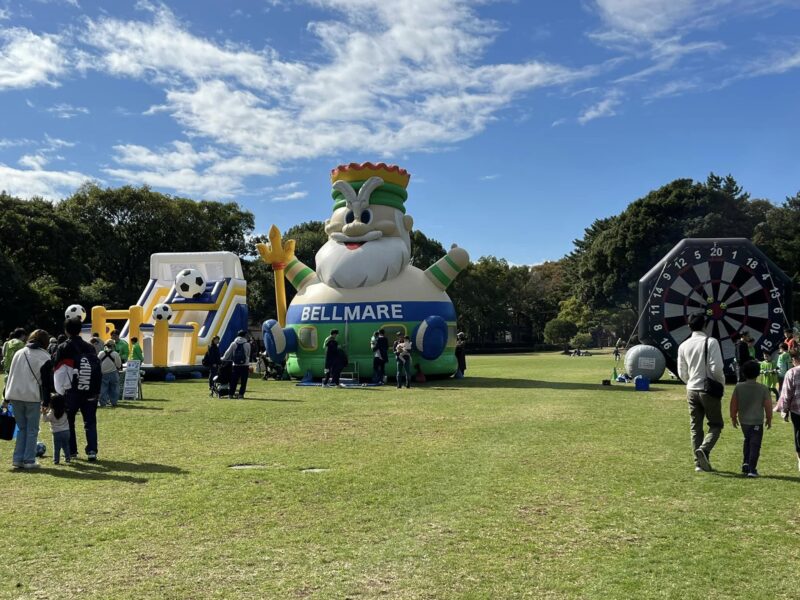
127 406
110 470
741 476
507 382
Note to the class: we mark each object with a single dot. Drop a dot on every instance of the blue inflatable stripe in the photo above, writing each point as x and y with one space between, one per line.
368 312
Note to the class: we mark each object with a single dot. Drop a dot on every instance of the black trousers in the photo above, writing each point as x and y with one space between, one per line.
796 425
751 449
88 410
239 373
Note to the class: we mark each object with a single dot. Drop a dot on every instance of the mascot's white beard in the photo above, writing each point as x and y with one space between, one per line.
369 265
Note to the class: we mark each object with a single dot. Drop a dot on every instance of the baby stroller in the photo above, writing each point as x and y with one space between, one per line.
222 381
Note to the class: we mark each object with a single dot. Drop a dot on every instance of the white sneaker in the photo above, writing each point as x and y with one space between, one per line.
33 465
702 460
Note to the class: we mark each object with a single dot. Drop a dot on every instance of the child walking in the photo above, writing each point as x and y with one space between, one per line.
750 403
56 415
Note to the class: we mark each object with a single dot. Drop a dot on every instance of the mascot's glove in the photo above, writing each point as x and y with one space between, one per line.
430 337
278 341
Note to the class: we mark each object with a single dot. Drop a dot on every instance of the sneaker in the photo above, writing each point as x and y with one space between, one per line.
745 468
702 460
342 385
698 470
31 465
68 460
91 456
753 473
16 465
55 461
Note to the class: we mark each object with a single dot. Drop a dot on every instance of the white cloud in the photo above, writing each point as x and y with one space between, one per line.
27 183
67 111
290 196
489 177
605 108
34 161
28 59
5 14
401 84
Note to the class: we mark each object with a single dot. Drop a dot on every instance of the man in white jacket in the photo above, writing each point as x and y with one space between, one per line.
695 364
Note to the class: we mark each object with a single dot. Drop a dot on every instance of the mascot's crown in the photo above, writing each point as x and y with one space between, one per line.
354 172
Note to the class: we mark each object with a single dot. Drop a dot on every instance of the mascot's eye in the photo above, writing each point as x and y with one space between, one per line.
349 217
366 216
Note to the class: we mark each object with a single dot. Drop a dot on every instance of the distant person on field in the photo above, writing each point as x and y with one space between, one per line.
743 354
78 388
699 357
96 342
784 363
332 359
29 381
13 344
110 366
136 350
121 346
461 354
790 340
402 356
789 402
750 404
383 348
616 354
239 354
56 415
211 360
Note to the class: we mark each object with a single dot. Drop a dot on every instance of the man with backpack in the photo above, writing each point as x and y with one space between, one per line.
110 366
77 376
239 353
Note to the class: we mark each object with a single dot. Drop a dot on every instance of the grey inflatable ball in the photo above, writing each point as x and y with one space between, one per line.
646 361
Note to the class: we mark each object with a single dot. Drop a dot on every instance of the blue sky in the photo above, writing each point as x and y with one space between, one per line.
520 122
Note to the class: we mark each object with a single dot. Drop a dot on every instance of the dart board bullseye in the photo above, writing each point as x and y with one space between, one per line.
730 280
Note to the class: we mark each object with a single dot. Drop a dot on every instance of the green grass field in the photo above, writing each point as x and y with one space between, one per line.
528 479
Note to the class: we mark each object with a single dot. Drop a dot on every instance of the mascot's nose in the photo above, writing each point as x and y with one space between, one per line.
356 229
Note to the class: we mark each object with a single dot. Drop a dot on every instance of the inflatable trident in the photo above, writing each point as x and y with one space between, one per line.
278 254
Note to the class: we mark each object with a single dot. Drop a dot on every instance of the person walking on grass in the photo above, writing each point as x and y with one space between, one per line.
750 405
239 353
110 365
77 377
699 359
56 415
331 346
789 402
30 379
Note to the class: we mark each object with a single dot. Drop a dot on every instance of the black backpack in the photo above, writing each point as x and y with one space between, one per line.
239 357
88 375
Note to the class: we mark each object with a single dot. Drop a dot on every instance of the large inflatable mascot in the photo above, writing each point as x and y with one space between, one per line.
364 282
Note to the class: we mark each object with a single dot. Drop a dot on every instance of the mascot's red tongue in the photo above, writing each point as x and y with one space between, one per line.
353 245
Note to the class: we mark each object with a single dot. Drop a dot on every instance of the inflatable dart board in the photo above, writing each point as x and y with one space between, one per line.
730 280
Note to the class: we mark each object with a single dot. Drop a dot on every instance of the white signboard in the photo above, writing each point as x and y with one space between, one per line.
130 390
647 362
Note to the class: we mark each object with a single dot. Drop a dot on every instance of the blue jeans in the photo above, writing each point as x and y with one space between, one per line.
109 389
60 442
404 370
27 415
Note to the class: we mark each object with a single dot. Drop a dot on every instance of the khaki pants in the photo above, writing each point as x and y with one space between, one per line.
702 406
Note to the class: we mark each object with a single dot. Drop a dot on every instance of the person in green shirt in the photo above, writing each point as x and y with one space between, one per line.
120 345
14 344
750 403
136 350
768 375
784 363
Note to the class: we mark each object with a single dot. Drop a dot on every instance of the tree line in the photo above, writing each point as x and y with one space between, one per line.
94 248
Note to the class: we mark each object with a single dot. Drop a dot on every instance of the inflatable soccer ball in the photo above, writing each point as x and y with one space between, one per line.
41 449
75 311
190 283
162 312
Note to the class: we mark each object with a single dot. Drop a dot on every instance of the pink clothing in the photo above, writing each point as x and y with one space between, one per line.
790 392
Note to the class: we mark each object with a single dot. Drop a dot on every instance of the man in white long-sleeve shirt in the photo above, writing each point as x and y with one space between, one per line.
693 369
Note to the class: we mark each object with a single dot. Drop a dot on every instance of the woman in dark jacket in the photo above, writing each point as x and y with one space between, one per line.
212 360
